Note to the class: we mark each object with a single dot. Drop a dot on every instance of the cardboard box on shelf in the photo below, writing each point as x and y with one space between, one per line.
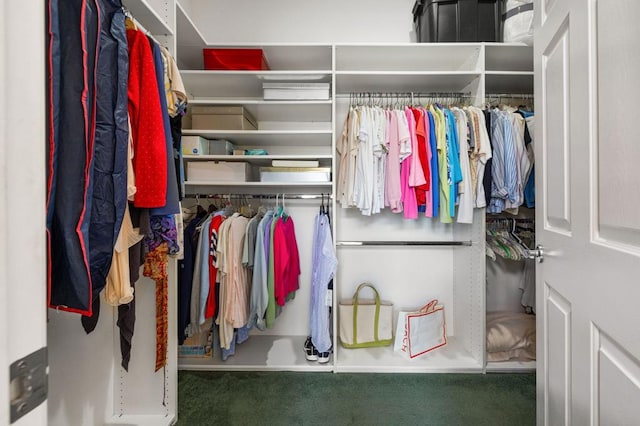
218 171
222 118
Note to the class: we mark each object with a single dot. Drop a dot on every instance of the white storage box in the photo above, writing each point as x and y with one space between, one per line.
218 171
296 91
221 147
295 174
195 145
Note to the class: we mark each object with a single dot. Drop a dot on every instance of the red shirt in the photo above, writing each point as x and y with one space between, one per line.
212 302
147 128
422 154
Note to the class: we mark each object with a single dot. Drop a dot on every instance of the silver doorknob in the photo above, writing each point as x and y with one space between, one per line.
537 253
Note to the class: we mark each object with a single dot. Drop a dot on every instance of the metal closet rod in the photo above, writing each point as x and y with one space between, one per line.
509 95
402 243
405 95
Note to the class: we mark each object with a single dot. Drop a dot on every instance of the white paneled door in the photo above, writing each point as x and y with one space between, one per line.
587 86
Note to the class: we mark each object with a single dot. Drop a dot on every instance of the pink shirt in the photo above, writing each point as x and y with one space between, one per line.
409 201
416 175
393 191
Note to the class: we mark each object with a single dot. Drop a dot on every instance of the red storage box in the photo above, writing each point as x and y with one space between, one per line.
234 59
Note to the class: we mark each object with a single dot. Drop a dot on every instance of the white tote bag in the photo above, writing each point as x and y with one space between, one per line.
420 332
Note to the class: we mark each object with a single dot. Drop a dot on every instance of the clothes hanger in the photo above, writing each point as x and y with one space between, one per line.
228 208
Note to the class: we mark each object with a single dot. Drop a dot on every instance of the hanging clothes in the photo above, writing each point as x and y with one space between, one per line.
436 160
111 143
73 46
259 290
150 157
323 268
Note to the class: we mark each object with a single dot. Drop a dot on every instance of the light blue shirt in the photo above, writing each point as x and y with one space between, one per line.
259 293
323 270
453 154
499 190
504 168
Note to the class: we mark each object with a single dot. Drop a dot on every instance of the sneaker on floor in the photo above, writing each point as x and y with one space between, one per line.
323 357
310 351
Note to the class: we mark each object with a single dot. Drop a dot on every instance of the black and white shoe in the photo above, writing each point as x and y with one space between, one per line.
310 351
323 357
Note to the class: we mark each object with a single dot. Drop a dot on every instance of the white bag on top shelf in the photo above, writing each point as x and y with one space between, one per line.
518 22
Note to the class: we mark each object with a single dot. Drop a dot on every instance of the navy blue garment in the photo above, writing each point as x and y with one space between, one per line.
487 179
110 149
530 190
173 203
68 249
176 135
185 278
111 143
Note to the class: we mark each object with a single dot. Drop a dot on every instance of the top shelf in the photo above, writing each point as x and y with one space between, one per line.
281 57
409 57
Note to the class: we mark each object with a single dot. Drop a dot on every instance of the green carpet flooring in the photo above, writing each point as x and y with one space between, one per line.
284 398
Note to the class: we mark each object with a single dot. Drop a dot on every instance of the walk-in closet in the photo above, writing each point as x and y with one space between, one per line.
222 180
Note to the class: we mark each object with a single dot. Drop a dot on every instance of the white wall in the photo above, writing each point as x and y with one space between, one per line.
295 21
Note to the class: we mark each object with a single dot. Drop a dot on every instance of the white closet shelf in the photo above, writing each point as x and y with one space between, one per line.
203 187
511 367
244 84
279 111
451 358
268 137
261 353
142 420
509 82
442 57
282 56
508 56
152 21
404 81
261 160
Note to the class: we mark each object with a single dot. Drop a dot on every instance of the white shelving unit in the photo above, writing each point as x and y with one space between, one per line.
508 68
287 130
261 160
455 275
286 138
292 129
